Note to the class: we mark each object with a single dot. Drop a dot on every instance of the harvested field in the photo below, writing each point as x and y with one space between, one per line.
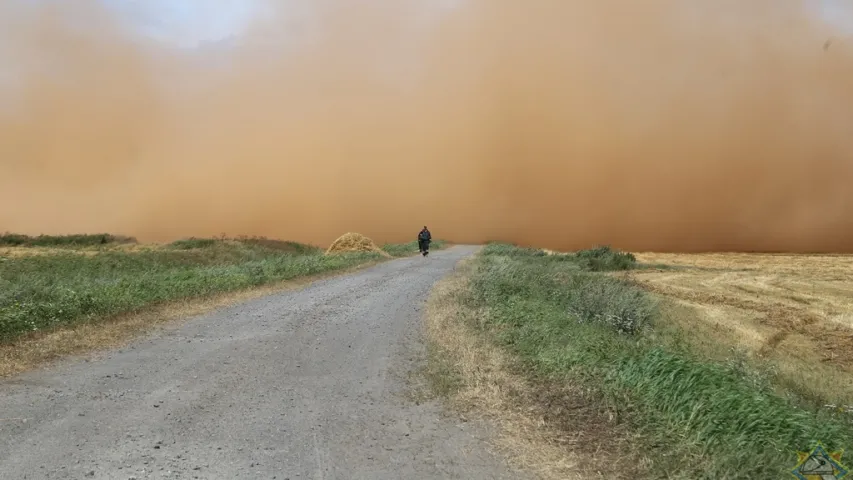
790 312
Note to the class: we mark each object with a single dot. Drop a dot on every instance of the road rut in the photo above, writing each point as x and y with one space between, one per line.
301 384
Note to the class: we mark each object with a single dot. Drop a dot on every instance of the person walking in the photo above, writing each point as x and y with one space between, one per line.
424 237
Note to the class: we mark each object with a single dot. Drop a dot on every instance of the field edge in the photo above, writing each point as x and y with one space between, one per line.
45 348
559 380
474 378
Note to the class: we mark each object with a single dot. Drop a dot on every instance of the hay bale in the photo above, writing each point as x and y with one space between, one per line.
354 242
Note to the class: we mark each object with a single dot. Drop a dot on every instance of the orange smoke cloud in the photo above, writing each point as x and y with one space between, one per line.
660 125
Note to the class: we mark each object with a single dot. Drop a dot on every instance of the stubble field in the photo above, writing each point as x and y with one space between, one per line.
790 315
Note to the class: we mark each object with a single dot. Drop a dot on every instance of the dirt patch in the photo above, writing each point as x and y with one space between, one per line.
557 431
354 242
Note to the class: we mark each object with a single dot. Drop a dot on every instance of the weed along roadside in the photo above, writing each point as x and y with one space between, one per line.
51 287
570 349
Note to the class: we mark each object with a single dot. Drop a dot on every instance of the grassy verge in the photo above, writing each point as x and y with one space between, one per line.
44 292
588 341
84 240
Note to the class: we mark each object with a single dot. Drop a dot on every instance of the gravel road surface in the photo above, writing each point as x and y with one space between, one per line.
306 384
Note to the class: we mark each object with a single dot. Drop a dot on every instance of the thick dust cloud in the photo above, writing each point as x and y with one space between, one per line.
667 125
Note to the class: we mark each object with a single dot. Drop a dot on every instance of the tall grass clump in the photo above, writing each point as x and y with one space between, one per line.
502 249
193 243
569 323
605 259
747 431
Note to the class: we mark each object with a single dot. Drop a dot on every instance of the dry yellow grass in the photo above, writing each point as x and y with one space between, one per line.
551 431
354 242
32 251
43 348
792 312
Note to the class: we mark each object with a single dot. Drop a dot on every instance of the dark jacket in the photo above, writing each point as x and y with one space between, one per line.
425 236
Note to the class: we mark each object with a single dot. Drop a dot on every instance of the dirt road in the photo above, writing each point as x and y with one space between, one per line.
304 384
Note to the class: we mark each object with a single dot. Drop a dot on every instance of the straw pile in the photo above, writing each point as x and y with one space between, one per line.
354 242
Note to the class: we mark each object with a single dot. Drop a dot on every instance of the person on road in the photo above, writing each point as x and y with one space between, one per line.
423 239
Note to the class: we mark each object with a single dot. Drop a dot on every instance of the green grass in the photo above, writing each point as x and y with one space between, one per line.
411 248
266 243
86 240
192 243
697 419
42 292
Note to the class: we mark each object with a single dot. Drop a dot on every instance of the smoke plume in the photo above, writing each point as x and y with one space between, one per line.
666 125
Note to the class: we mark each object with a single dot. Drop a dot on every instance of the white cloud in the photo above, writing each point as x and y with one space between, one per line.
188 23
838 13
